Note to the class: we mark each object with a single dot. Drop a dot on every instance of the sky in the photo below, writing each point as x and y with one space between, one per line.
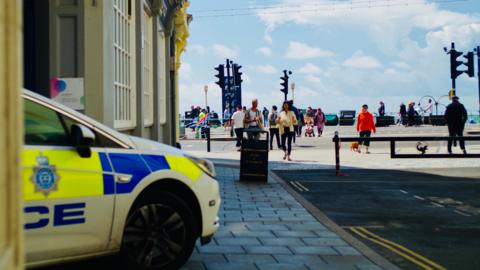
342 53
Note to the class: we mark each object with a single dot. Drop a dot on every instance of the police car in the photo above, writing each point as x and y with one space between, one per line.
90 191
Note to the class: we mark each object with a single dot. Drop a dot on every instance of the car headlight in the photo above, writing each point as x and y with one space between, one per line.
205 165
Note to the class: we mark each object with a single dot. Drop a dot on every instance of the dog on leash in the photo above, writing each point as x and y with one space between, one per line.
354 146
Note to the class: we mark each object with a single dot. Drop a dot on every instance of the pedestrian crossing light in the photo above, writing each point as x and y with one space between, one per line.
237 75
470 66
284 83
220 76
454 64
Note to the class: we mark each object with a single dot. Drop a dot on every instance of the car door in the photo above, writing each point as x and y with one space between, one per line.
69 199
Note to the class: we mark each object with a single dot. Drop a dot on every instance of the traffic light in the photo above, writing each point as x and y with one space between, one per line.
220 76
284 85
454 64
470 67
237 75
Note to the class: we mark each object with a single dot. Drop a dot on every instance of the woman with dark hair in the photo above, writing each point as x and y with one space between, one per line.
286 120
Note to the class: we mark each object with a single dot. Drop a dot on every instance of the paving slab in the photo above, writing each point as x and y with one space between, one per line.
264 227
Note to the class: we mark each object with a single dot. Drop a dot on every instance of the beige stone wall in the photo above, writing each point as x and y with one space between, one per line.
11 135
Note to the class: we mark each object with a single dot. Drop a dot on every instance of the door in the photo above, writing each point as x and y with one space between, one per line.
68 199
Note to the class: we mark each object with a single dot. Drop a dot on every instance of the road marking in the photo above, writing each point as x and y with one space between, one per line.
403 191
437 204
461 213
398 249
302 186
295 184
381 182
418 197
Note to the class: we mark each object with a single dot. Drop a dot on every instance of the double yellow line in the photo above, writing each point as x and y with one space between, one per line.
398 249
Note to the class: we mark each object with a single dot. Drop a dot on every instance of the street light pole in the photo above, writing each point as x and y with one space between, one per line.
205 88
293 91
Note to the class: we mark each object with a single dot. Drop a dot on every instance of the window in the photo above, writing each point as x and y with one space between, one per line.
147 67
124 103
43 126
100 140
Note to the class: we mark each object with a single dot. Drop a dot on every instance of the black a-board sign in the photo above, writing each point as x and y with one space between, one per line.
254 159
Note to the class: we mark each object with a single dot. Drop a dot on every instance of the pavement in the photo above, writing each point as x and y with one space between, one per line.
318 152
264 227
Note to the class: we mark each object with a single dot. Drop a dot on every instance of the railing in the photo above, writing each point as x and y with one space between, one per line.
337 140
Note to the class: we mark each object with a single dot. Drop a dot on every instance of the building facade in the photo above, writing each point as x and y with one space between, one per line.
11 136
114 60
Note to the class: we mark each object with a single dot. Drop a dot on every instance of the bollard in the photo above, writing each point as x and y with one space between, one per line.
207 134
336 139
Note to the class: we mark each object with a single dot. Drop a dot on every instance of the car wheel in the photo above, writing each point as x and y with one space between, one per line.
160 233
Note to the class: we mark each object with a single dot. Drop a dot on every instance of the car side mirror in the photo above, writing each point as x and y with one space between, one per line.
83 139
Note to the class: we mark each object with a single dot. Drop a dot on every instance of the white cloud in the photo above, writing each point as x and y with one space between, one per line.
359 60
313 79
268 38
224 51
185 70
401 65
196 48
297 50
246 79
309 68
265 51
266 69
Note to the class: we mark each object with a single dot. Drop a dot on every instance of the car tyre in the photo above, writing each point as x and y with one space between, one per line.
160 233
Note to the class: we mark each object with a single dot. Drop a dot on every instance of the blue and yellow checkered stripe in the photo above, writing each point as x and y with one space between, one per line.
94 176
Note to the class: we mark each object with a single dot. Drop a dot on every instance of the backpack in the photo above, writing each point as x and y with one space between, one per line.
273 119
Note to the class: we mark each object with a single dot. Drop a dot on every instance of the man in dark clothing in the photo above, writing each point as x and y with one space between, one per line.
403 114
456 116
297 115
411 114
381 110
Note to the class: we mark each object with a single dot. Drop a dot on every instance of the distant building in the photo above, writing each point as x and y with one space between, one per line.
117 58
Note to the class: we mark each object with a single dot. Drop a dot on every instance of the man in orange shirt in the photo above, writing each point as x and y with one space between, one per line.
365 126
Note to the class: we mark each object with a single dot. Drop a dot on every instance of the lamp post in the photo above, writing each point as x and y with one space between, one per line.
477 50
293 91
205 88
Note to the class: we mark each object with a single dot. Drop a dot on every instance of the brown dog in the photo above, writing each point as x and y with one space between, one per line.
354 147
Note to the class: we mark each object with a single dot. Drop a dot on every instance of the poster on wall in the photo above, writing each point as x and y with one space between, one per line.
69 92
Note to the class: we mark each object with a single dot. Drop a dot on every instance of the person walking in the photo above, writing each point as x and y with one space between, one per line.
365 126
310 114
286 121
381 109
320 121
226 118
297 116
265 116
403 114
456 117
301 121
253 121
411 113
273 127
429 108
237 119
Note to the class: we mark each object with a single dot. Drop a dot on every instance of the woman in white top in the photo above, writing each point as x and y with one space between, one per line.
286 120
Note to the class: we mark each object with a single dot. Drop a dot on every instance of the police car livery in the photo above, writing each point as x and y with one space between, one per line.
90 191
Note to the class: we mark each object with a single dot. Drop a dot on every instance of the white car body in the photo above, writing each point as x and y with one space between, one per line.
77 207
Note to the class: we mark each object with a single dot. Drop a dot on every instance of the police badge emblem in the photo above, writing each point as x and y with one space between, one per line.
45 177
